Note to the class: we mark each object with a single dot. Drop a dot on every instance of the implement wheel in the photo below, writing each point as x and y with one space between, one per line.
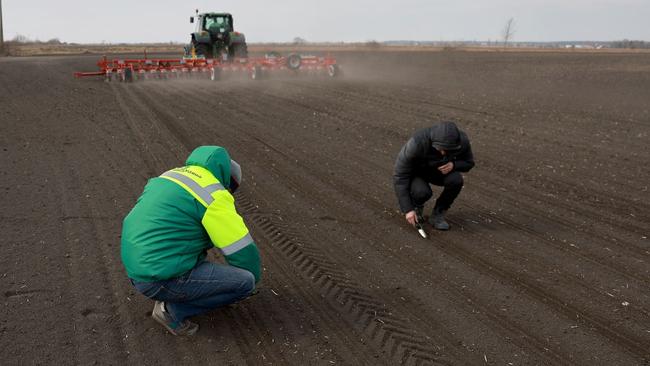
256 73
215 74
128 75
333 70
294 61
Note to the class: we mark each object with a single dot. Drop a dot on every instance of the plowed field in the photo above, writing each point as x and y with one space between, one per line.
547 262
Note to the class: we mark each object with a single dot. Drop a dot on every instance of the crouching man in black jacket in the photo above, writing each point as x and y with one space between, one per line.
435 155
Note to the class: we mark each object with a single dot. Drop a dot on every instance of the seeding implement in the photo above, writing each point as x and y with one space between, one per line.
215 48
128 70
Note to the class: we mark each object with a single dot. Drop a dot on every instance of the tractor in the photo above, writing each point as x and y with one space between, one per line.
215 37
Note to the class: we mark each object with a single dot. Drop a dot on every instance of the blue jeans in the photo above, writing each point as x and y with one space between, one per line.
207 286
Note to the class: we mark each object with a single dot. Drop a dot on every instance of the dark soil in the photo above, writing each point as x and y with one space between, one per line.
547 261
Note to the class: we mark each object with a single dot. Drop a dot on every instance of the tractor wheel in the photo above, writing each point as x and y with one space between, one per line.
239 50
294 61
333 70
202 49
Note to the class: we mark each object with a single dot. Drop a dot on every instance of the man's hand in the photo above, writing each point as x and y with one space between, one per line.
445 169
411 217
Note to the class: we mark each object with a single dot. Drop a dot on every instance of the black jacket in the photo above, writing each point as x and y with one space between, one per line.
419 157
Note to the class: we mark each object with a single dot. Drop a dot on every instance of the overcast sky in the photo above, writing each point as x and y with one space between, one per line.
89 21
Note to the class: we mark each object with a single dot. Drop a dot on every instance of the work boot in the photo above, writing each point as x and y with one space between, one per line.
419 214
437 219
160 314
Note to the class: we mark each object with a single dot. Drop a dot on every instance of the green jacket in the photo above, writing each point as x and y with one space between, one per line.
181 215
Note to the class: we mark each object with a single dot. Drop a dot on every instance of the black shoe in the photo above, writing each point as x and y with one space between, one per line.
437 219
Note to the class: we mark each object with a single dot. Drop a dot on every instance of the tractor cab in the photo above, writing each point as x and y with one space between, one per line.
214 23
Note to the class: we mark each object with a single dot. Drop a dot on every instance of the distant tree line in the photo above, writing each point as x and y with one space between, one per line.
22 39
626 43
19 38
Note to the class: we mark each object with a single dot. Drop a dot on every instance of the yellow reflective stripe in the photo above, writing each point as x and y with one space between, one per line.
222 222
200 175
188 189
238 245
190 178
205 194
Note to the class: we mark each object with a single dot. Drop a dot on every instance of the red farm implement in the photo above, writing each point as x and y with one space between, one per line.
128 70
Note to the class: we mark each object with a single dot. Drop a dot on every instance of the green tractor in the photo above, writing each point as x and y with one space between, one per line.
215 37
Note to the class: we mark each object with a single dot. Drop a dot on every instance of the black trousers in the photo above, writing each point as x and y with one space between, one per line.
421 190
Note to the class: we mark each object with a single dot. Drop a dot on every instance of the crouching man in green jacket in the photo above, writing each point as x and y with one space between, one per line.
165 238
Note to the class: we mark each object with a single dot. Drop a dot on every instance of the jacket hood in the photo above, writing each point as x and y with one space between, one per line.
213 158
445 136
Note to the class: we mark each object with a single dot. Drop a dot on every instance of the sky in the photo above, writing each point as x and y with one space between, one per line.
116 21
